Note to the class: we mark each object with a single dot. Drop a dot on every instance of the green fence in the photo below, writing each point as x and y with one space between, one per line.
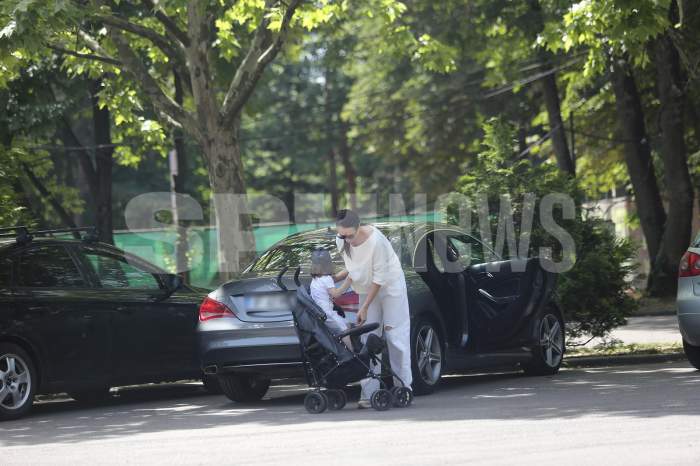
158 246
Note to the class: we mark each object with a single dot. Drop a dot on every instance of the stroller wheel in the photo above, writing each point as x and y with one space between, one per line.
316 402
381 400
336 399
403 396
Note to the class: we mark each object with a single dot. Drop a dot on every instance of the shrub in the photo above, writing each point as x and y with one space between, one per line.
592 294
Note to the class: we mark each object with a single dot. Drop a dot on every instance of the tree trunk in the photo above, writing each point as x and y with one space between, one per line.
350 174
178 186
236 242
550 92
677 233
556 125
638 155
329 83
333 181
103 164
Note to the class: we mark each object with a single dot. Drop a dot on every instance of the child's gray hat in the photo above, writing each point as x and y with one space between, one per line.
321 263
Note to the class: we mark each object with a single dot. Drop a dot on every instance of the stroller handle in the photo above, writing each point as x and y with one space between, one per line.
279 279
296 276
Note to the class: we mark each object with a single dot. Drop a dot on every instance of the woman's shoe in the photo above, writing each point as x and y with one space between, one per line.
364 404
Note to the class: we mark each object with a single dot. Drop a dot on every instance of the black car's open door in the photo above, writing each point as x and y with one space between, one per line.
505 295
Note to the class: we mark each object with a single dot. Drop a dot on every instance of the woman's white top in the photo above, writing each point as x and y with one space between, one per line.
374 261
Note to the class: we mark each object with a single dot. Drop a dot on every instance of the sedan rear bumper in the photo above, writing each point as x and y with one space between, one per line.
227 351
688 303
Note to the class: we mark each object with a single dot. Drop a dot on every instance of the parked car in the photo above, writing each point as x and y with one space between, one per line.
81 316
688 302
466 313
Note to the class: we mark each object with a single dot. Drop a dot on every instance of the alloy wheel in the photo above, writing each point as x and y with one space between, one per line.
428 355
15 382
551 340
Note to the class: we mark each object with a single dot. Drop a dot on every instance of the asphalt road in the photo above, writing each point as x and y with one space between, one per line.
643 414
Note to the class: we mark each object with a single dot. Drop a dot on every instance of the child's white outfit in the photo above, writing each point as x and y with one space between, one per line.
319 293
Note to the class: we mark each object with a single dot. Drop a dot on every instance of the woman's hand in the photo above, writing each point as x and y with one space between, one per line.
340 275
362 315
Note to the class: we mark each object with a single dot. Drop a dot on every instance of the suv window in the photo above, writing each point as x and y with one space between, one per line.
114 271
48 267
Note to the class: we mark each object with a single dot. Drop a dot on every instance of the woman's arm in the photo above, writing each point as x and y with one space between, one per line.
335 292
340 275
362 314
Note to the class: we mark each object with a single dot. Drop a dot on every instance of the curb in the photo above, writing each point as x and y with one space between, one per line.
602 361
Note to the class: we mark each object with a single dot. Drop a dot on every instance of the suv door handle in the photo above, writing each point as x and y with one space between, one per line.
124 310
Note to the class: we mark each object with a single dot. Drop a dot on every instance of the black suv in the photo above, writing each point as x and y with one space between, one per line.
79 316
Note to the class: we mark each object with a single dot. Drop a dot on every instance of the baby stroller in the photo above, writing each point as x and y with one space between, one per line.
330 364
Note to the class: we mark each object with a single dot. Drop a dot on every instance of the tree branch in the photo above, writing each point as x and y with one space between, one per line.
262 51
162 103
92 43
170 25
87 56
175 53
48 195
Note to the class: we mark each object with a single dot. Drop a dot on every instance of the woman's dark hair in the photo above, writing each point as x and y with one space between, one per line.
346 218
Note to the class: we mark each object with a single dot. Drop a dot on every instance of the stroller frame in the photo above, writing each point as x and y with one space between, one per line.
320 374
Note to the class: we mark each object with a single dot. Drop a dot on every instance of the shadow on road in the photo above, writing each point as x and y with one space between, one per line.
639 391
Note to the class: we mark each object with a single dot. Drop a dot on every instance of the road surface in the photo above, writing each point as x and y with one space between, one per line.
641 415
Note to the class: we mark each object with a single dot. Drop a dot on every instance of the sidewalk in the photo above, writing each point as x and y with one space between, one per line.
651 329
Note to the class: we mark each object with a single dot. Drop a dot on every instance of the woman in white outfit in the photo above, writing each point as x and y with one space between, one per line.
376 275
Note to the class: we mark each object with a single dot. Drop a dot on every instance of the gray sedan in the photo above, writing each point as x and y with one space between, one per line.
469 310
688 302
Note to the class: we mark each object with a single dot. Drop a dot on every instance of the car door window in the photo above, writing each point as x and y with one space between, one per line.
114 271
437 260
468 250
5 272
48 267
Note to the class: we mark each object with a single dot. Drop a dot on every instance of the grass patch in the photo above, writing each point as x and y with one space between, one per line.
617 348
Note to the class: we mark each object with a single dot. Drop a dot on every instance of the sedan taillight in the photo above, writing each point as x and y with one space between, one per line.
690 265
213 309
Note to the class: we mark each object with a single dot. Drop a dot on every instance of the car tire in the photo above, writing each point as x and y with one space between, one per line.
243 388
212 385
692 353
548 353
18 382
91 396
426 363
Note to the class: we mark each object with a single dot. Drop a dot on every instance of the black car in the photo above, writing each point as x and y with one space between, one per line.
467 311
80 316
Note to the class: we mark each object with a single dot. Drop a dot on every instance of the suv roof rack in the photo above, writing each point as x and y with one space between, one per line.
24 235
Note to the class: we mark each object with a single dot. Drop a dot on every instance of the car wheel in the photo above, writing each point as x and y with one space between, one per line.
548 354
211 385
18 381
427 360
242 388
91 396
692 353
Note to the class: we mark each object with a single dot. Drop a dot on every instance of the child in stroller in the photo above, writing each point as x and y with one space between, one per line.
323 291
330 364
